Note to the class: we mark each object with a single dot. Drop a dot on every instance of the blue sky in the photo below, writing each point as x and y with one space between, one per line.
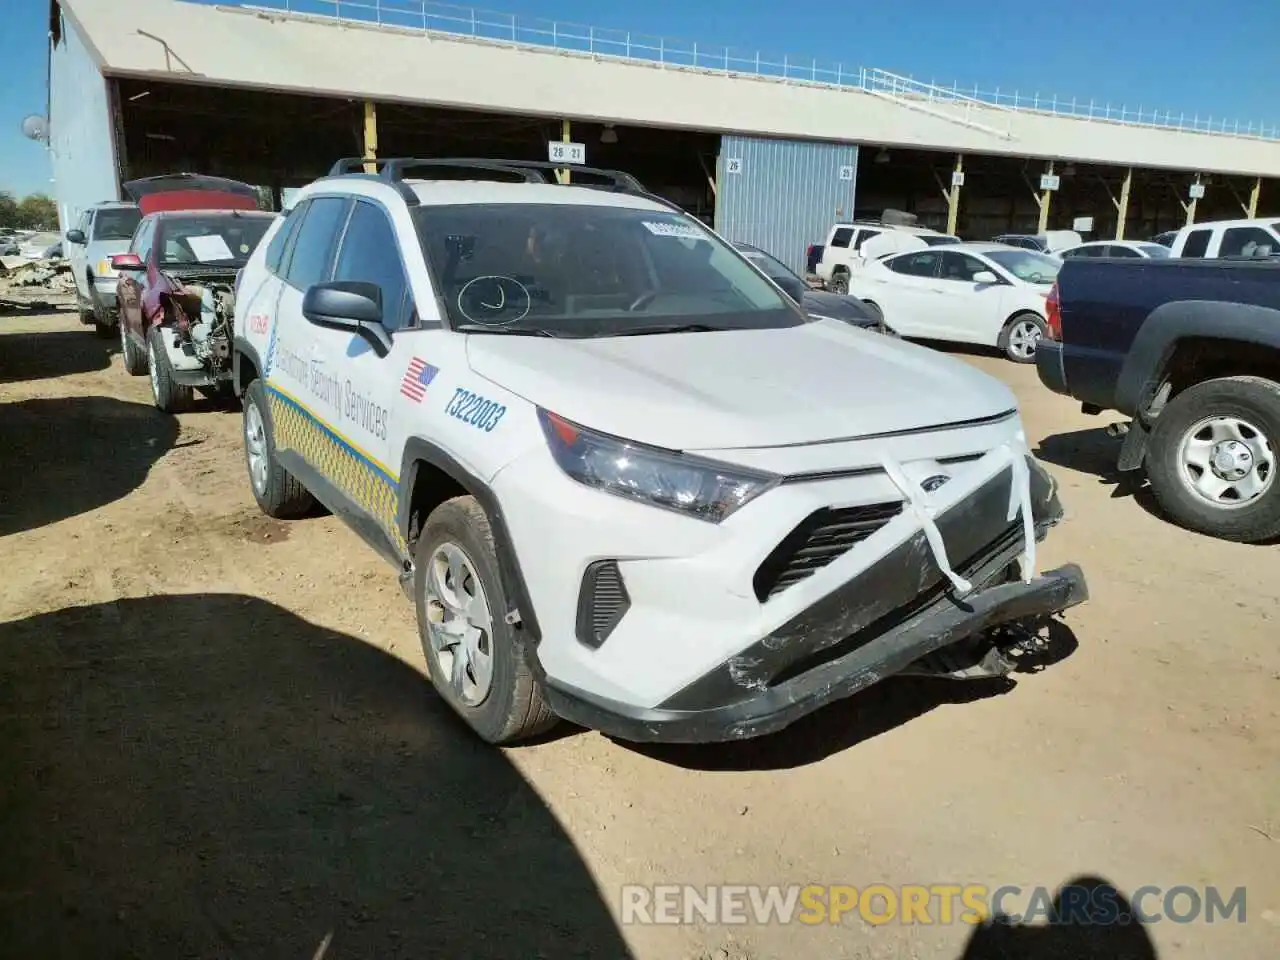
1167 54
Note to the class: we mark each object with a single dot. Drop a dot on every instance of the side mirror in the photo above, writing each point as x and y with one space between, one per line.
76 237
349 305
130 262
985 276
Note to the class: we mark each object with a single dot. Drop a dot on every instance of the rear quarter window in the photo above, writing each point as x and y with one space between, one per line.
841 237
1197 243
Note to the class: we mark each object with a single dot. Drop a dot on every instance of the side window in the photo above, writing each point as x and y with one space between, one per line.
1077 253
1115 251
1197 243
961 267
1248 242
280 242
864 236
842 237
312 255
915 264
371 254
141 244
83 224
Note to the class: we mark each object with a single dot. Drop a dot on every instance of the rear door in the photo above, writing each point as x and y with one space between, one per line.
904 287
301 407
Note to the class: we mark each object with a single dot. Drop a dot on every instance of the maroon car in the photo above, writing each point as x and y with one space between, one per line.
176 293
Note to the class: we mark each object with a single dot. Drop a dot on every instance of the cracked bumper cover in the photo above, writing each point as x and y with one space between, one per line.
877 624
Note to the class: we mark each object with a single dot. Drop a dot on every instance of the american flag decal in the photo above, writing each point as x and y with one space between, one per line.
417 378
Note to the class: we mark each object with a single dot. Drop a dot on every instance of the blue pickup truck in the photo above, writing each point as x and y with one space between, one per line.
1189 350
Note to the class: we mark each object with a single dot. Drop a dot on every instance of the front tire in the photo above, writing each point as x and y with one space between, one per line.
277 491
1020 336
102 324
478 662
1213 457
135 358
169 395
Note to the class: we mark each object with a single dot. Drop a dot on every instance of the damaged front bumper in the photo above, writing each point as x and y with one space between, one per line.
901 609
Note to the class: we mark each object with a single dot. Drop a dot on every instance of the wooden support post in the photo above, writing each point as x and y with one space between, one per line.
370 136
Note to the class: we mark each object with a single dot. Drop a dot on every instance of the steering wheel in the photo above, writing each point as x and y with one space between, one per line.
642 301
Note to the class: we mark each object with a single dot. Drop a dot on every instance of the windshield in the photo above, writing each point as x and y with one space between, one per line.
210 239
116 224
587 270
1154 250
1027 265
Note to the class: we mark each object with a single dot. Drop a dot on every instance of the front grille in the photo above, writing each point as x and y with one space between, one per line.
602 602
820 538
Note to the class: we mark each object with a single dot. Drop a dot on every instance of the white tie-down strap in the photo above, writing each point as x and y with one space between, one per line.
921 506
1020 496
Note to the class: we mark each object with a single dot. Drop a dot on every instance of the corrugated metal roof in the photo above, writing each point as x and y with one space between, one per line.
226 46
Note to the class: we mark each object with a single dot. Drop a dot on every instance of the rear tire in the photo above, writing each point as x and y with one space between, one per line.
483 672
169 395
277 491
1232 422
839 281
1020 335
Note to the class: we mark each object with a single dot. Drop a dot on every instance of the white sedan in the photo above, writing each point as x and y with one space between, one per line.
983 293
1117 248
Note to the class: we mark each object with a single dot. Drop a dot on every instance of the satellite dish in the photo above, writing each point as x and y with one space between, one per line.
35 127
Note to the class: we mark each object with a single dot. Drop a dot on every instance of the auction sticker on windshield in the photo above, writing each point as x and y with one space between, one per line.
680 231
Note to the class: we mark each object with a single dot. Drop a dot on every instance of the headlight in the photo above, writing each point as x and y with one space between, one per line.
105 269
691 485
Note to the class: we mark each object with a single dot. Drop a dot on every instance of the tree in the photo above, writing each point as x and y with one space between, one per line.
8 210
38 212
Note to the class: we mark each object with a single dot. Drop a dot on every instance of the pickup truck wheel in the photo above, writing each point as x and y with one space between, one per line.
1019 337
278 493
135 358
477 661
839 282
169 396
1213 457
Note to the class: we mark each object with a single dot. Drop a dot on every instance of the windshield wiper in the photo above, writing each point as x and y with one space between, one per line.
669 328
512 331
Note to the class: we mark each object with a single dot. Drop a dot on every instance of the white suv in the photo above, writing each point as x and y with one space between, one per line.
625 479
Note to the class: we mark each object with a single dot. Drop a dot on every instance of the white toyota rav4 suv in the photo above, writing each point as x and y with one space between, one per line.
625 479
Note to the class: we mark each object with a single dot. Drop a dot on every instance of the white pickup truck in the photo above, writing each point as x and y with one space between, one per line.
843 253
1229 238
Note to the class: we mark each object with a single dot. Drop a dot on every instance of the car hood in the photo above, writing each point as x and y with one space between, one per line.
824 380
837 307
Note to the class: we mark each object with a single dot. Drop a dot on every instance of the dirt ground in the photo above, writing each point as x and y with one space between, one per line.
215 739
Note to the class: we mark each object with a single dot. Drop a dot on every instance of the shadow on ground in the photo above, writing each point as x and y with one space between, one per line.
847 723
1094 452
1097 930
67 456
53 353
208 775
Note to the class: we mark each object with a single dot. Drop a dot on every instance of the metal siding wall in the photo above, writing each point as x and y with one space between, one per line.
80 132
787 196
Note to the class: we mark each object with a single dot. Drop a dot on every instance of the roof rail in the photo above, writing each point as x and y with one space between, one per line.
393 170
